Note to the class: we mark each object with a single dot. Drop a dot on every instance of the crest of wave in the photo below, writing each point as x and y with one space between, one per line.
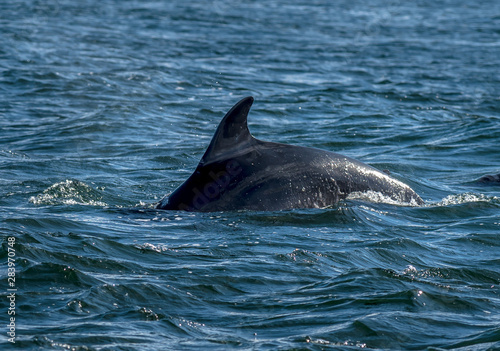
377 197
69 192
467 198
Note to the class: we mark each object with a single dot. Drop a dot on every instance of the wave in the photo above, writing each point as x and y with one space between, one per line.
464 198
69 192
377 197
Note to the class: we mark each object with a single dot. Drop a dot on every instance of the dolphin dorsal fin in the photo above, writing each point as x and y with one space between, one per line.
232 134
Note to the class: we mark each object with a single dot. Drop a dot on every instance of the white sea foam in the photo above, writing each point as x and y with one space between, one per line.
69 192
377 197
466 198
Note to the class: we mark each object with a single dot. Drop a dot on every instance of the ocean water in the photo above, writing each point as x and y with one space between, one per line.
106 106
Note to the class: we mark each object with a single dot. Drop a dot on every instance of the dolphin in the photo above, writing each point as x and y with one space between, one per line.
490 179
240 172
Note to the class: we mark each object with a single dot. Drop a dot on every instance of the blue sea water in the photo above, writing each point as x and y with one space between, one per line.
108 105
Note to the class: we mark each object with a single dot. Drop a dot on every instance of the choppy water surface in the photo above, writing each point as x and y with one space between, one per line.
108 105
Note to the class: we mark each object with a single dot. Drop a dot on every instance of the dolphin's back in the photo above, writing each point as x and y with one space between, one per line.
300 177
